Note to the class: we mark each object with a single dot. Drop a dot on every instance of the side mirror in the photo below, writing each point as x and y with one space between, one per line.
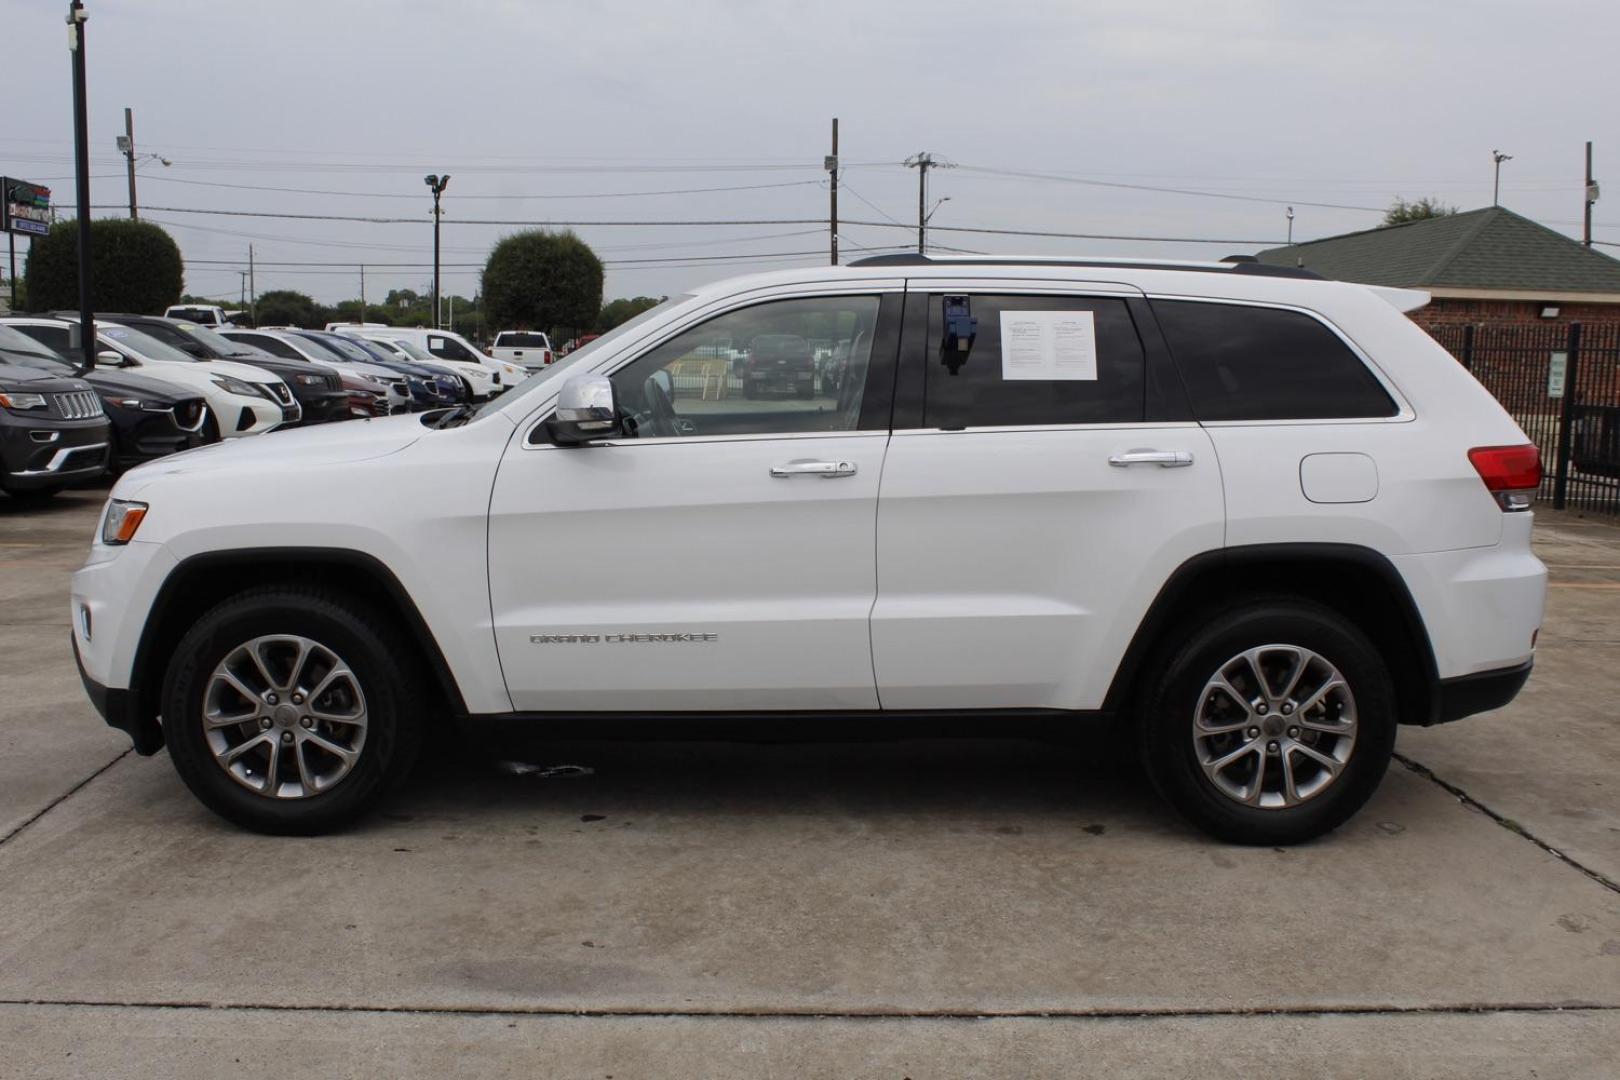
585 411
109 358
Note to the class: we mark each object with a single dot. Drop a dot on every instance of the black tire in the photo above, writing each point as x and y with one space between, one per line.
1173 690
383 666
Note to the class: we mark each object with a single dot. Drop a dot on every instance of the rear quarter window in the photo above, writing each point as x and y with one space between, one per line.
1257 363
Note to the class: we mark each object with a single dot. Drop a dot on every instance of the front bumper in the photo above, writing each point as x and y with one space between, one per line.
323 406
46 453
118 708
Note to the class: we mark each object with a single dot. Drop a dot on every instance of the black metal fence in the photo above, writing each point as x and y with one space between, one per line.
1562 384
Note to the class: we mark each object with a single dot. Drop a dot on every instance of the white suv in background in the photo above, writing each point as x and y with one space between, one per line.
1259 517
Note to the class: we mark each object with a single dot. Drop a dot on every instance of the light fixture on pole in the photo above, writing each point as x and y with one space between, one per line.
436 184
1496 184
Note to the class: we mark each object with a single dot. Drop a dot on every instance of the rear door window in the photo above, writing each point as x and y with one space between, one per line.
1034 360
1256 363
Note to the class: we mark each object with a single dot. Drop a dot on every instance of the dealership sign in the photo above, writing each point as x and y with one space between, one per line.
24 207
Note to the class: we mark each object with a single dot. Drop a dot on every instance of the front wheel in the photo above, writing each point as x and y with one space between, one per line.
286 712
1270 724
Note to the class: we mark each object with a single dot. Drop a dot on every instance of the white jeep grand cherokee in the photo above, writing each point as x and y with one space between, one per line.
1259 516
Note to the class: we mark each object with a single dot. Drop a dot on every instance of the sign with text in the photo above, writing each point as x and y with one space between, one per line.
24 207
1558 364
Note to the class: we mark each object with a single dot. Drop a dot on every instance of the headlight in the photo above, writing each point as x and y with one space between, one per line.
310 380
237 386
22 401
122 520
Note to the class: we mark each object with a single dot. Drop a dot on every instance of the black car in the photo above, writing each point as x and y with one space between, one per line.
319 392
53 431
150 418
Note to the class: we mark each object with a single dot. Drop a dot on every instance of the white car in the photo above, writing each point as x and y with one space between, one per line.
529 348
1258 517
242 399
449 345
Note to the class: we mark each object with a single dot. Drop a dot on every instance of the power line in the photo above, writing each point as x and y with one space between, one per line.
1090 182
460 198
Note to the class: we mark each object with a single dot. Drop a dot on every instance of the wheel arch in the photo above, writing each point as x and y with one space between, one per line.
200 582
1359 583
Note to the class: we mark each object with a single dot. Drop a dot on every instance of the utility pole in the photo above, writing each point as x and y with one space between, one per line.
437 185
253 292
81 167
1496 185
362 293
126 145
922 162
1591 197
1290 225
831 164
242 303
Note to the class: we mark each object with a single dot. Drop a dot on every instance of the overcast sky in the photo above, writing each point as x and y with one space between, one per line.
544 111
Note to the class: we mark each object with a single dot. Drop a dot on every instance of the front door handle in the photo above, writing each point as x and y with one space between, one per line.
1164 459
809 467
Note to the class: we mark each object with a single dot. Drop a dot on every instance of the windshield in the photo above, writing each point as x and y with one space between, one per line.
144 346
18 348
412 351
347 348
375 354
322 347
545 376
218 343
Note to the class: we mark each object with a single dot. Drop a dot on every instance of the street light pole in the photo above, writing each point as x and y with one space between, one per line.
436 184
1496 184
81 164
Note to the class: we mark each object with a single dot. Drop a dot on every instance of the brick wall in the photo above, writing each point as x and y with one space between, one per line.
1444 311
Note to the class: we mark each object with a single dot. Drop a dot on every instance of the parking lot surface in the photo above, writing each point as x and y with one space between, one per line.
965 907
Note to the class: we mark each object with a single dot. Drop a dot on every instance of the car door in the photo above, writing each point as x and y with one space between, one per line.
1043 481
720 556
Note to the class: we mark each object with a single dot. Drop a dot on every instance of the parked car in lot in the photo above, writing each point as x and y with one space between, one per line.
242 400
779 362
482 383
289 345
53 431
449 345
207 315
318 391
150 418
1257 518
431 388
527 348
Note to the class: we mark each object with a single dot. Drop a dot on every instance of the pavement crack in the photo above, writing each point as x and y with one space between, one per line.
1508 823
64 797
1104 1013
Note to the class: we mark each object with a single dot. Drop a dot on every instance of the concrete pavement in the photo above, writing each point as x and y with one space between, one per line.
908 909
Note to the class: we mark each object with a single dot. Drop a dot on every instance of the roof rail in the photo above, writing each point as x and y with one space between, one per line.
1239 264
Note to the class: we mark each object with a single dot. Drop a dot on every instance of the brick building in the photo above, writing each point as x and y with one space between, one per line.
1487 267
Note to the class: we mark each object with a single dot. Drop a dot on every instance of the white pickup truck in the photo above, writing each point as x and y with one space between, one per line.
529 348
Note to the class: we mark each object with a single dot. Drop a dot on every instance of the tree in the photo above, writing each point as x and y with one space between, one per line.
624 309
1402 212
135 266
283 307
539 280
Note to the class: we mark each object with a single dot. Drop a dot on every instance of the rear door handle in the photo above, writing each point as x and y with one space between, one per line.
1164 459
807 467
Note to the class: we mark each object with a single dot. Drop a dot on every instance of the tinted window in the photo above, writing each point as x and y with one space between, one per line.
1253 363
979 391
273 346
776 368
521 340
59 338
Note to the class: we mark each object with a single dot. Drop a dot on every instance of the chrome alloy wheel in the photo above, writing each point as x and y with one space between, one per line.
284 716
1274 726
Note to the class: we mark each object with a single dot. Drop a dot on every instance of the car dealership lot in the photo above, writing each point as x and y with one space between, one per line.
850 909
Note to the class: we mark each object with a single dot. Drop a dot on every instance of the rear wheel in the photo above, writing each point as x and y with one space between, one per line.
286 712
1271 724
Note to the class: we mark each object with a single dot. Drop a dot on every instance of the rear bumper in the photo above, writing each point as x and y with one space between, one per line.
1480 692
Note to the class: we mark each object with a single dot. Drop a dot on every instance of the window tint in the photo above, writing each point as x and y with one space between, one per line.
448 349
1253 363
782 367
517 339
59 338
273 346
1042 332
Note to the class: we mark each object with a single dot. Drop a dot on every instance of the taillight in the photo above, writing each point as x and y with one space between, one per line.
1511 473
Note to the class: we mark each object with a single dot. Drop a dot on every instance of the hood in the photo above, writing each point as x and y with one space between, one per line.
283 451
38 380
239 371
127 382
